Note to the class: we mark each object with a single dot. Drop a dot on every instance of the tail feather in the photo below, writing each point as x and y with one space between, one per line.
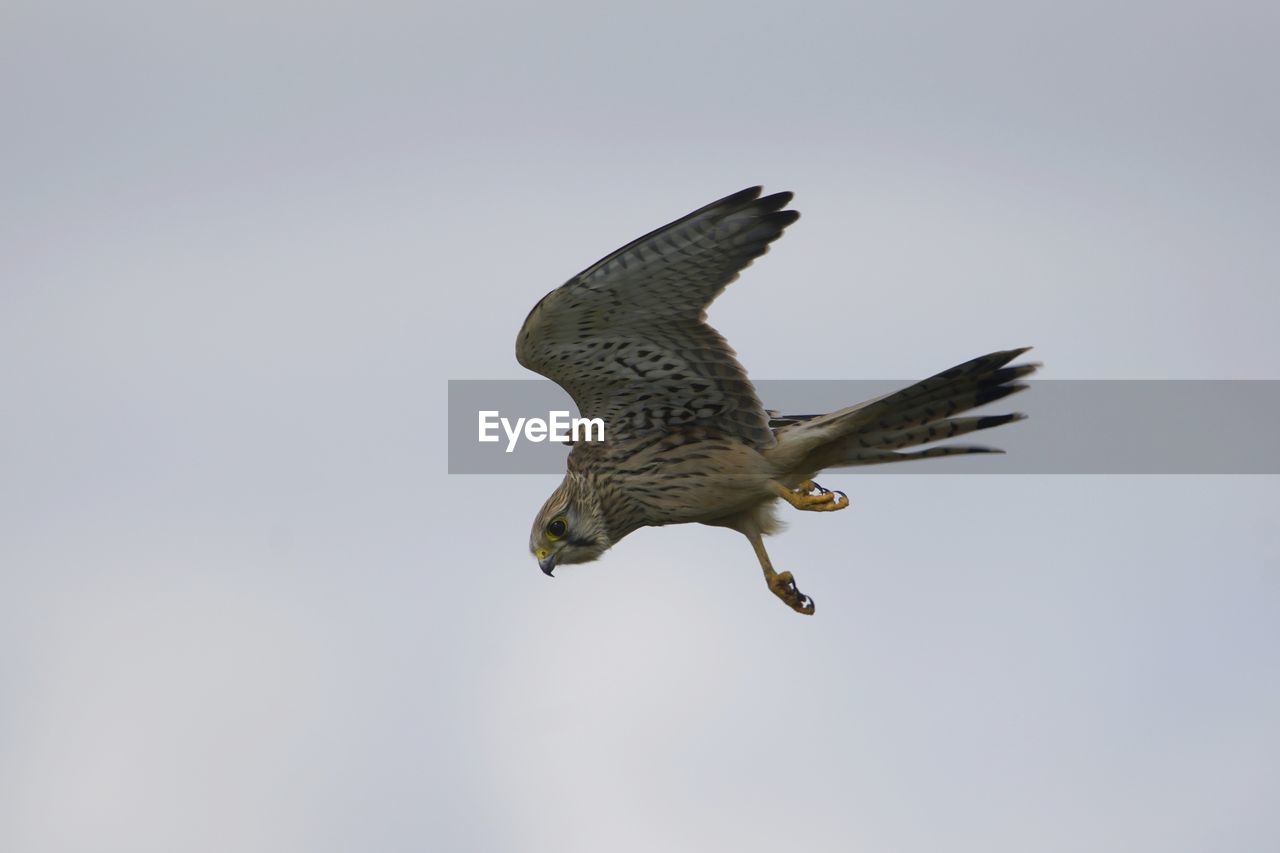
930 431
965 386
875 431
941 407
877 456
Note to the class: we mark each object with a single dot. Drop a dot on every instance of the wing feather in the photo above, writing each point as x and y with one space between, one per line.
628 339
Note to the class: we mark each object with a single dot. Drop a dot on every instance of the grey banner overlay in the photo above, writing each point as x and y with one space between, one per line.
1075 427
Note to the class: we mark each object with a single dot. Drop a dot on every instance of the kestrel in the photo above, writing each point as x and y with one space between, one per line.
686 438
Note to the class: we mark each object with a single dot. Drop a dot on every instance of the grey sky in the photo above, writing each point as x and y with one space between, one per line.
242 247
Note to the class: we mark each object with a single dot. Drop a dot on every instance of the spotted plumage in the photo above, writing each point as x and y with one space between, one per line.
686 437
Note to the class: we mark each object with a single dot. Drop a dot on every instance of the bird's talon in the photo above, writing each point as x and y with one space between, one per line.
804 488
784 586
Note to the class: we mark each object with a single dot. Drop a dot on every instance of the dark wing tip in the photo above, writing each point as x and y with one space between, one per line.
776 201
767 206
781 218
735 200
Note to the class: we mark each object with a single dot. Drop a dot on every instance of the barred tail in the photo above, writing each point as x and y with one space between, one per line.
877 431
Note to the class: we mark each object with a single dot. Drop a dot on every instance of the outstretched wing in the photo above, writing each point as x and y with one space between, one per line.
627 337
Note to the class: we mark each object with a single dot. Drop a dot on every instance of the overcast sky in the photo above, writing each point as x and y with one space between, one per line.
243 607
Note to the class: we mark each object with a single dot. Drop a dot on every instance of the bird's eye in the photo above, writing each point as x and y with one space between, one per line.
556 528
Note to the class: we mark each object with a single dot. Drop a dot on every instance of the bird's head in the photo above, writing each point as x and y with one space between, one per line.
569 528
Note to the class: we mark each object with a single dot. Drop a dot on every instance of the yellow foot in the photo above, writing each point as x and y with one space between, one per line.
811 497
784 586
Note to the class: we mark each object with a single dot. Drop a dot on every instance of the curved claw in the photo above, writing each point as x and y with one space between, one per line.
827 501
809 487
784 586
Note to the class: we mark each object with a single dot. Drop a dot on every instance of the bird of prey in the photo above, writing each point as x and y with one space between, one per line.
686 439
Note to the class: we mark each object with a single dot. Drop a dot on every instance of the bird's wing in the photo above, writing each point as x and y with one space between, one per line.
627 337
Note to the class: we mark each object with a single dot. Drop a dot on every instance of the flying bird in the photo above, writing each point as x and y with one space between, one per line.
686 438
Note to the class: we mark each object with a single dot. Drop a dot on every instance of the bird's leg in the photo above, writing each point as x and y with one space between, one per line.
780 584
800 497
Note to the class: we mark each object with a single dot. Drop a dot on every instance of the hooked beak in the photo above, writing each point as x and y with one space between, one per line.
548 564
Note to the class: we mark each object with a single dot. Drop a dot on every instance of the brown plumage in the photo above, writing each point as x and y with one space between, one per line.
686 438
